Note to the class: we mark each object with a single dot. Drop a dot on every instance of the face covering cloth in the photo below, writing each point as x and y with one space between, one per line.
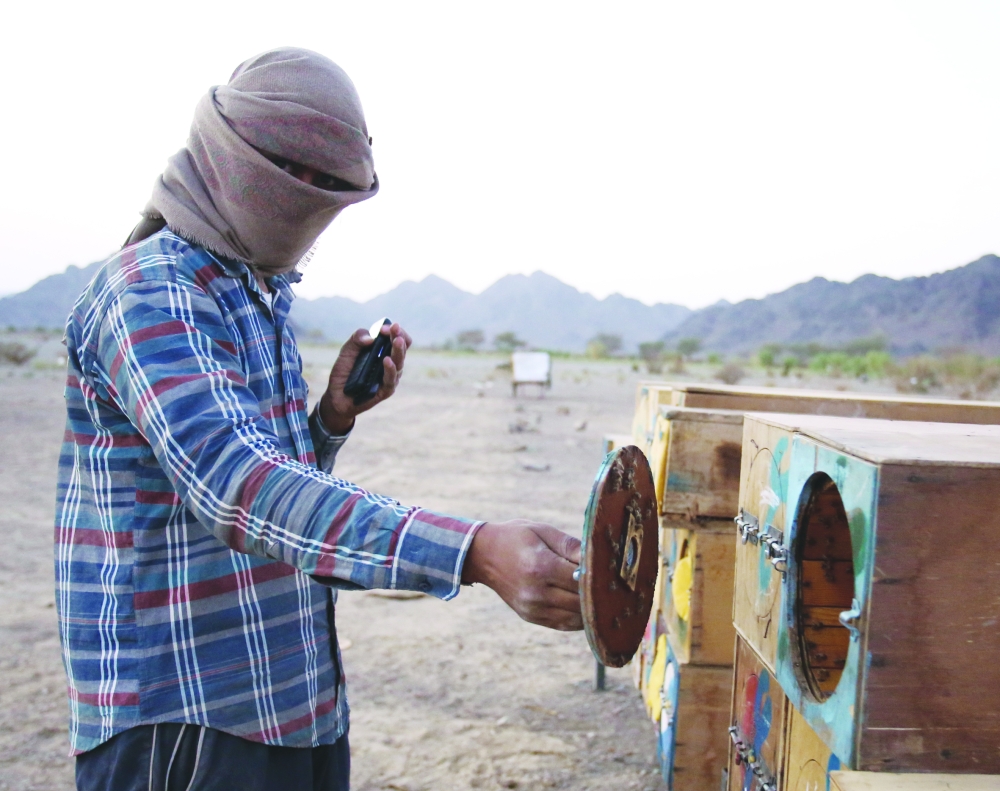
220 192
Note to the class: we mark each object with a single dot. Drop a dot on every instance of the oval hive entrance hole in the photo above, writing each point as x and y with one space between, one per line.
825 584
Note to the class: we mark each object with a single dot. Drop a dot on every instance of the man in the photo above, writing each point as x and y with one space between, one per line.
200 537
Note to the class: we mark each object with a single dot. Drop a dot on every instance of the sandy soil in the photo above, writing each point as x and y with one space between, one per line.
444 696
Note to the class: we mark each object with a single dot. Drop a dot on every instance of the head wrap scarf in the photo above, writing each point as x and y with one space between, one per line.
220 192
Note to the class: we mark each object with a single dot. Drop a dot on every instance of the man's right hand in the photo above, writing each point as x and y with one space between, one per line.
530 565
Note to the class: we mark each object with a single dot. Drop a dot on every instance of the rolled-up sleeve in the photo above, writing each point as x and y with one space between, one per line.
165 358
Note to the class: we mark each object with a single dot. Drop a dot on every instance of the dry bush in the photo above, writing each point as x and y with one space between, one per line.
16 353
730 373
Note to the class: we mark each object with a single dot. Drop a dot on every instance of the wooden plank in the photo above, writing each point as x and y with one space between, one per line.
932 690
760 715
834 403
885 781
900 442
808 761
701 742
757 585
828 583
648 398
702 466
698 599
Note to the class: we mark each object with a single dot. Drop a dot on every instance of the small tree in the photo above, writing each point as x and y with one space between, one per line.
688 346
470 339
508 342
651 353
604 345
768 355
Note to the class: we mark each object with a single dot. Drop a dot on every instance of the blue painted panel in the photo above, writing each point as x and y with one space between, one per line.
668 718
837 718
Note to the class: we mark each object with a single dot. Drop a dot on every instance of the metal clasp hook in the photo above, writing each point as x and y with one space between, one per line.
850 617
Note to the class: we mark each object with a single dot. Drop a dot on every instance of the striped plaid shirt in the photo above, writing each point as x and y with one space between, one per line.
199 533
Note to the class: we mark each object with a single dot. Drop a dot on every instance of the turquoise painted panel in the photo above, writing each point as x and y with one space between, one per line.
668 718
836 720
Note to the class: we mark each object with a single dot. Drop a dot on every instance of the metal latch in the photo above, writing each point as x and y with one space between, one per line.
770 538
748 526
850 617
744 754
773 543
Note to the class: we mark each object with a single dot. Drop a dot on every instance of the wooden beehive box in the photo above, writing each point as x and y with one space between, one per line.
697 593
835 403
698 471
691 718
882 630
883 781
807 761
648 398
703 430
759 715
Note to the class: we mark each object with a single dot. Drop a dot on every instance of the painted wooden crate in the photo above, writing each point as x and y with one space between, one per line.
690 706
807 761
885 781
648 398
694 448
836 403
759 714
869 584
698 593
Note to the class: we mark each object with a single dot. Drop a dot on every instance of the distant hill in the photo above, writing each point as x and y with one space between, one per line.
957 308
48 302
540 309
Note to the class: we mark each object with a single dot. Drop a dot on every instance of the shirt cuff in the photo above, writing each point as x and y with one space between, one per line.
431 553
325 443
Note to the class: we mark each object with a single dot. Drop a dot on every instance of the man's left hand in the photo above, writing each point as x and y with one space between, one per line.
337 409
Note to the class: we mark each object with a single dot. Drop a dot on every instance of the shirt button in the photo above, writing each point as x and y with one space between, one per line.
425 586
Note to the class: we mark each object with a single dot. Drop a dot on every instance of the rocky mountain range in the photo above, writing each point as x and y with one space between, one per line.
959 308
538 308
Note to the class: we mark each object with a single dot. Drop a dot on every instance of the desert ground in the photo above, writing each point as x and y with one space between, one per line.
452 695
444 696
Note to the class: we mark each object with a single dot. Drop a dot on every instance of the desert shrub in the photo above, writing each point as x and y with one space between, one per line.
688 346
470 339
870 364
768 355
863 346
508 342
604 345
652 354
917 374
789 363
16 353
714 359
730 373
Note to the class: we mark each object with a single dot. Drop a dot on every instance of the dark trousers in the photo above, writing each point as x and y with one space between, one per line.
174 757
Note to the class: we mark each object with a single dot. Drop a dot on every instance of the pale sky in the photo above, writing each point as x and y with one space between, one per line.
676 152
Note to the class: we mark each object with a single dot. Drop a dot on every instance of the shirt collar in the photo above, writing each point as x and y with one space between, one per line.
280 284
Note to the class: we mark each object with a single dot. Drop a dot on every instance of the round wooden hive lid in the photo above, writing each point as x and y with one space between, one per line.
620 556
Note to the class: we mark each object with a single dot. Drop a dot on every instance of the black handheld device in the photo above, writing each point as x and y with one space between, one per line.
366 375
